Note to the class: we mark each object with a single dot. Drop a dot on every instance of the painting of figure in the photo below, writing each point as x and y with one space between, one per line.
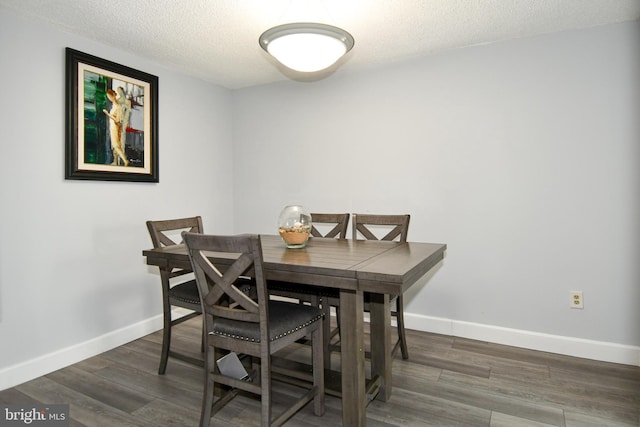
112 121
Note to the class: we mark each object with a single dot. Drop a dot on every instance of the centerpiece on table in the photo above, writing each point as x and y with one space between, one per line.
294 226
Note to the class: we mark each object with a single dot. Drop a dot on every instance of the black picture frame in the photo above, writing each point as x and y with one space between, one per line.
111 121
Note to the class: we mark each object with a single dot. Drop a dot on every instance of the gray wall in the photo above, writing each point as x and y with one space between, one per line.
72 276
523 156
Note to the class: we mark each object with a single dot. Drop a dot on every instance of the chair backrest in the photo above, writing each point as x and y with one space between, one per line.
395 226
221 298
166 232
341 221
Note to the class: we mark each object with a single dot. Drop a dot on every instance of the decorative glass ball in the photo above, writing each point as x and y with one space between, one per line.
294 226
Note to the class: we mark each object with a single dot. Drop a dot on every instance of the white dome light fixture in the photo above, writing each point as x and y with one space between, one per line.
306 46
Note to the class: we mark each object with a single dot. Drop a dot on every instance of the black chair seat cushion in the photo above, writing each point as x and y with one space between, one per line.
284 319
188 291
185 292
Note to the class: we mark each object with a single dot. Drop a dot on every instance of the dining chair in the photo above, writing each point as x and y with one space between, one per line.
235 322
183 294
338 221
381 227
330 225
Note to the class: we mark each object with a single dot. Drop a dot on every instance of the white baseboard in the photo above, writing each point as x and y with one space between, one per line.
34 368
595 350
588 349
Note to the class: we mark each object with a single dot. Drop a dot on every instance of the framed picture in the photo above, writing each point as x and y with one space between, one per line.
112 121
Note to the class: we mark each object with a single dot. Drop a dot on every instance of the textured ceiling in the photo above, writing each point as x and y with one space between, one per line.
217 40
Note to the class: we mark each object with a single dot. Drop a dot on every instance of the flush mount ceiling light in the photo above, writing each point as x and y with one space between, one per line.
306 47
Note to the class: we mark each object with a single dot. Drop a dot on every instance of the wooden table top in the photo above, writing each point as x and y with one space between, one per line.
373 266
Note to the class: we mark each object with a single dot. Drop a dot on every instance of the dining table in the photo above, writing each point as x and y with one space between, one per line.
381 268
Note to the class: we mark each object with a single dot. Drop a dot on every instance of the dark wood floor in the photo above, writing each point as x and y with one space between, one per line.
447 382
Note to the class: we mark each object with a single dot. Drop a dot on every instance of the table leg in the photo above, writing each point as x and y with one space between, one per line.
381 358
352 358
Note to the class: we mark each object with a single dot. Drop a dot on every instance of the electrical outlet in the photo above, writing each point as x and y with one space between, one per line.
576 299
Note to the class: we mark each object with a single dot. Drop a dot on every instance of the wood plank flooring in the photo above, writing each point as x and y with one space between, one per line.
447 381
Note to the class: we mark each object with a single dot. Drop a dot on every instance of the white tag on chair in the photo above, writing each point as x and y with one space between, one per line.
230 366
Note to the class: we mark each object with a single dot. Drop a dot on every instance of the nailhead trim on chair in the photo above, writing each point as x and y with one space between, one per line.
186 300
297 328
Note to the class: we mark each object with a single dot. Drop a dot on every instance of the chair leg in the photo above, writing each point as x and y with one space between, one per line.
207 395
265 397
402 337
318 355
166 338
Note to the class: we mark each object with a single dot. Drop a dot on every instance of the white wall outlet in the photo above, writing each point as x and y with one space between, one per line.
576 299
